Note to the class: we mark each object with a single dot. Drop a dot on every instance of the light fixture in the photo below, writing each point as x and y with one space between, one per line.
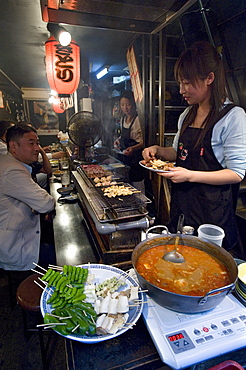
102 73
60 34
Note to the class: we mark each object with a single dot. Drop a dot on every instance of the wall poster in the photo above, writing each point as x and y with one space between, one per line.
43 117
1 100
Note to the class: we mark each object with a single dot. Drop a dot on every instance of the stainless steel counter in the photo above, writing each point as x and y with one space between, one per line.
73 243
135 348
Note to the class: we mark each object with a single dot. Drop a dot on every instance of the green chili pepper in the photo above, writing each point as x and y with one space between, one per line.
63 285
49 275
59 302
86 272
87 308
78 299
55 281
72 294
78 286
91 324
77 273
73 273
46 275
70 270
60 281
52 278
65 268
53 297
81 274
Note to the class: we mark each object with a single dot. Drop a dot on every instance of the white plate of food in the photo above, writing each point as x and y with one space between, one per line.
98 273
157 165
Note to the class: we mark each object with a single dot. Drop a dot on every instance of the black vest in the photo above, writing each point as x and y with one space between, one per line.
203 203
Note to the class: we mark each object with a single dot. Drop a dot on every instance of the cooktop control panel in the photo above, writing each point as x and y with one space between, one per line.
206 332
180 341
184 339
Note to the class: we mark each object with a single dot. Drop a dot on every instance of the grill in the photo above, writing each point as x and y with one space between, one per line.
115 224
116 208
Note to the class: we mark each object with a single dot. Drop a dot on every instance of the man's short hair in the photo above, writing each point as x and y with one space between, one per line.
16 132
4 125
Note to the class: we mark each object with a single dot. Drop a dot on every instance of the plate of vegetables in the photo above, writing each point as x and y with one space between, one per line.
90 303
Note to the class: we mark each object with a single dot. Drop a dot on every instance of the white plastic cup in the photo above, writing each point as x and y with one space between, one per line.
211 233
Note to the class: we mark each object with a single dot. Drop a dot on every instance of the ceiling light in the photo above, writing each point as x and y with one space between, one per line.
102 73
61 35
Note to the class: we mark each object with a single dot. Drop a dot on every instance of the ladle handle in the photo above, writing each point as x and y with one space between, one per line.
180 224
176 243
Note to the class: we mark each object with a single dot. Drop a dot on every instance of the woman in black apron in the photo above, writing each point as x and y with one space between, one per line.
209 148
130 141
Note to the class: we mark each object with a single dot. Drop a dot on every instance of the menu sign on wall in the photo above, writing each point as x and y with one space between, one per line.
134 73
1 100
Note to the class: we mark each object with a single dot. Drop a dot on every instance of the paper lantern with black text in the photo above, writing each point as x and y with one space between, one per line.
62 66
58 106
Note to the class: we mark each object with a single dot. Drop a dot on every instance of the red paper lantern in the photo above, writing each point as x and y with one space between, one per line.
58 106
62 66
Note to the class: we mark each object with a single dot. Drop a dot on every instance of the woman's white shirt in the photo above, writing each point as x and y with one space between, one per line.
228 139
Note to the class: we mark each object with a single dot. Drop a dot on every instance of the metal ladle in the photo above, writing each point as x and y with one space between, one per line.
174 256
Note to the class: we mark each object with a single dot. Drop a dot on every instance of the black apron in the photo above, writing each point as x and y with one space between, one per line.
136 173
203 203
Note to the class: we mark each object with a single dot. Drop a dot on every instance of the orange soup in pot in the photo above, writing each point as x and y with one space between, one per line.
200 273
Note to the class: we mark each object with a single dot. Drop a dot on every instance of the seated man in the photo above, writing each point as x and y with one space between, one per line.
22 200
41 169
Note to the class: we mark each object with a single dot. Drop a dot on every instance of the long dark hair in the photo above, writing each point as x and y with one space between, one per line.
128 94
196 63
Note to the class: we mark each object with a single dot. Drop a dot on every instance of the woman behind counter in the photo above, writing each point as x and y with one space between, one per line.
130 141
209 148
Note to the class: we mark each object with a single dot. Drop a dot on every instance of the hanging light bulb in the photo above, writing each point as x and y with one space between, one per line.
65 38
60 33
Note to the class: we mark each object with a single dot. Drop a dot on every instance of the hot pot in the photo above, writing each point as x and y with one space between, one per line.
184 303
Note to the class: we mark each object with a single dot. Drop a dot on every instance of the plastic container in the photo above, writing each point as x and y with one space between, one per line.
227 365
211 233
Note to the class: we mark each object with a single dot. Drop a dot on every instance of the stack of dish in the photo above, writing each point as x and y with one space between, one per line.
240 290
